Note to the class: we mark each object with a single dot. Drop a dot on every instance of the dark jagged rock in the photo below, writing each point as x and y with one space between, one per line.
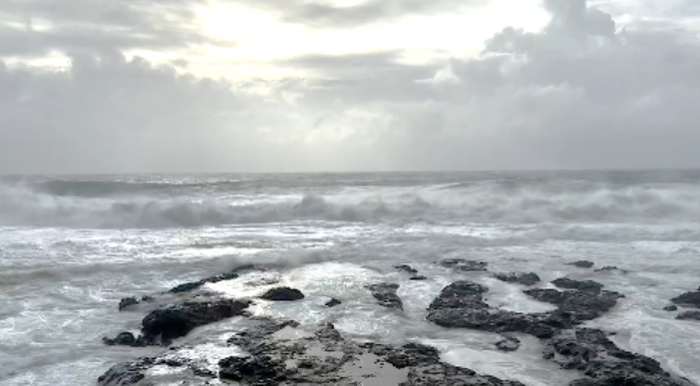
419 277
386 295
510 343
588 285
163 325
123 339
256 370
671 308
688 299
582 264
612 269
591 352
515 277
464 265
406 268
461 305
186 287
581 305
127 303
333 302
148 299
688 315
283 294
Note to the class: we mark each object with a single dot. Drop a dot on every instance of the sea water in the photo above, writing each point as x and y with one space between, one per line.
72 247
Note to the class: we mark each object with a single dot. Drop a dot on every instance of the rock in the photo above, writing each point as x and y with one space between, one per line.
464 265
581 305
522 278
127 303
186 287
671 308
588 285
461 305
612 269
406 268
386 295
688 299
148 299
123 339
256 370
582 264
694 315
283 294
591 352
419 277
282 353
508 344
333 302
163 325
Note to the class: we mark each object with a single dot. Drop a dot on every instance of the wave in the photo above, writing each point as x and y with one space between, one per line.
484 202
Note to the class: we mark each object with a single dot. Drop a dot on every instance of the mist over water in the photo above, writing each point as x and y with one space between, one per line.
71 247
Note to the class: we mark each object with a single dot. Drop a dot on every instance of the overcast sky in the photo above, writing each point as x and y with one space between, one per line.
100 86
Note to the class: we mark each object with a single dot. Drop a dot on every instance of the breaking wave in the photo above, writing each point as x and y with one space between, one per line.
480 202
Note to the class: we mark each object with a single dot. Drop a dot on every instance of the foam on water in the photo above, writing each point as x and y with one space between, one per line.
70 250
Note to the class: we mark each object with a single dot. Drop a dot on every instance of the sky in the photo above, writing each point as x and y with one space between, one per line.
100 86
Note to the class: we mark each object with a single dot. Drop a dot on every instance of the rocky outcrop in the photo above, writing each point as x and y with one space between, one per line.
282 294
186 287
418 278
281 352
591 352
518 277
464 265
587 285
161 326
386 296
333 302
407 269
509 343
127 303
582 264
688 299
612 269
671 308
689 315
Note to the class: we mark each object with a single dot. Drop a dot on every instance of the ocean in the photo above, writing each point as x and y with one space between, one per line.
72 246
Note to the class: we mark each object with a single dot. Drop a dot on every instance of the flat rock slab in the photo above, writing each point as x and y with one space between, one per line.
321 356
386 296
529 278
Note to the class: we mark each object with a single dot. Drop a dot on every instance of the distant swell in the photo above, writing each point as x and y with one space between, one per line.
483 202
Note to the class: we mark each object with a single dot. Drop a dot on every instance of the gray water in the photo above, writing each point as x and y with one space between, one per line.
72 247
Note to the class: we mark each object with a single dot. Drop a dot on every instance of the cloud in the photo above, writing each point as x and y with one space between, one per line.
580 93
37 27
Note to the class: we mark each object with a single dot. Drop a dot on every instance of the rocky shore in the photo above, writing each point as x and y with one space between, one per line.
265 351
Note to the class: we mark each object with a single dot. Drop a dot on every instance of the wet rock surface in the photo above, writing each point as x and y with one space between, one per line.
671 308
186 287
273 352
688 299
586 350
127 303
582 264
386 296
333 302
529 278
464 265
407 269
418 278
161 326
689 315
509 343
591 352
587 285
612 269
281 294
